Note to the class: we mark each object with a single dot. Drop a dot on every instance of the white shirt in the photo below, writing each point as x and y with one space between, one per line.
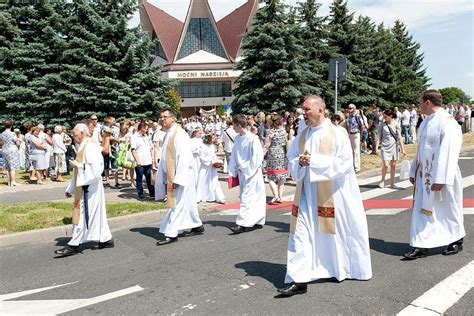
142 146
58 144
406 117
413 117
158 138
228 143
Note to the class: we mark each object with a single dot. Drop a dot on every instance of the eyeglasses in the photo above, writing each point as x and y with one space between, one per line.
94 119
164 117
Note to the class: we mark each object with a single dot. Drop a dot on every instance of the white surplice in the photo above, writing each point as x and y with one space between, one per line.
185 214
208 188
196 144
436 161
246 161
313 255
90 173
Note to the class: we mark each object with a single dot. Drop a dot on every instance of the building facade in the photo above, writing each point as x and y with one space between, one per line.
199 52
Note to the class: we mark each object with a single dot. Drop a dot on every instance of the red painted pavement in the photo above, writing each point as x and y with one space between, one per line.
368 205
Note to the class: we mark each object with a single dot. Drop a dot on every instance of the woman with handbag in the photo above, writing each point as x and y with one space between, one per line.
390 138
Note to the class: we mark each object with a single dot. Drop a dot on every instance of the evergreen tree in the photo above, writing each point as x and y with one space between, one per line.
30 43
407 76
107 64
369 86
272 76
313 35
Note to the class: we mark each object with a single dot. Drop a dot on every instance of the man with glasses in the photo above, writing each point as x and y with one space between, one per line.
175 176
354 127
96 132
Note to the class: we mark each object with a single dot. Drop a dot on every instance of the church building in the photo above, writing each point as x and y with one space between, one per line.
200 52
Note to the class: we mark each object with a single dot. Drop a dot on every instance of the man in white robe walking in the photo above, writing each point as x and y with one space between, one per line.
246 162
437 218
89 215
328 232
175 175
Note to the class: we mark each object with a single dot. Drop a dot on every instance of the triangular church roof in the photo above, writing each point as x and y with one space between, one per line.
234 26
200 9
167 28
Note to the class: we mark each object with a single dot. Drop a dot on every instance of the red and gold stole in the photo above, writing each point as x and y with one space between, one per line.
76 211
171 169
325 189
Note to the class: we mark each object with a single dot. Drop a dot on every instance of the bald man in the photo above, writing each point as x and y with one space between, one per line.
89 215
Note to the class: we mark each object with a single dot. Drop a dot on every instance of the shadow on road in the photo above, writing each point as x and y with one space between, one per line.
389 248
272 272
152 232
281 227
219 224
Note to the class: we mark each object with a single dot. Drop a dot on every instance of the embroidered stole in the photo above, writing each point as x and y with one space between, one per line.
76 212
171 169
325 189
425 172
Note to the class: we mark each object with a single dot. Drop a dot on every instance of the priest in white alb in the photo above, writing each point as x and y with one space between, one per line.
246 163
328 232
176 177
437 217
89 216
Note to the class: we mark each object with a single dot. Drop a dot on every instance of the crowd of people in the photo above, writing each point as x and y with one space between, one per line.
328 230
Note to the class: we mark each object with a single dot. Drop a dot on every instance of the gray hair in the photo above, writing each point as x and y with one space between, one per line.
314 99
82 128
41 127
58 129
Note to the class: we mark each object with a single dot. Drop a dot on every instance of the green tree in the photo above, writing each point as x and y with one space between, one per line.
29 65
407 76
272 78
107 64
454 95
313 36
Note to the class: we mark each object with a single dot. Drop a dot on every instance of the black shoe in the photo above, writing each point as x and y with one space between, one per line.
453 248
67 251
193 232
294 289
238 229
102 245
416 253
141 198
167 240
257 226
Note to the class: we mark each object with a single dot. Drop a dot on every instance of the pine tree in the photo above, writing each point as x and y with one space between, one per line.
407 76
107 68
272 75
313 35
29 64
369 87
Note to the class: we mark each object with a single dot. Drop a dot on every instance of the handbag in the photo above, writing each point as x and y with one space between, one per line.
405 170
233 182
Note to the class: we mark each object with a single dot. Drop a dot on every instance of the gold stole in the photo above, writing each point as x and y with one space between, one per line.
325 189
171 169
76 212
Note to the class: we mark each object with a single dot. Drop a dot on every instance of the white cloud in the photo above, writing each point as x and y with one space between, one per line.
414 13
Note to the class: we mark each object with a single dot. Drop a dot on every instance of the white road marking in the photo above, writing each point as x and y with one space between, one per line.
466 158
384 211
469 211
466 183
53 307
231 211
443 295
370 194
373 179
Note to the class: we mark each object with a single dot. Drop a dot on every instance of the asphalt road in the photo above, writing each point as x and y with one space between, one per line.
221 274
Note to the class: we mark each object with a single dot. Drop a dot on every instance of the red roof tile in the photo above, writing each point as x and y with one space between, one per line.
167 28
232 27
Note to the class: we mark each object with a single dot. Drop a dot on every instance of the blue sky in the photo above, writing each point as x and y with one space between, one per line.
444 28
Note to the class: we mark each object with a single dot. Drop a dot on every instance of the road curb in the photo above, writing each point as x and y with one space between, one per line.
49 234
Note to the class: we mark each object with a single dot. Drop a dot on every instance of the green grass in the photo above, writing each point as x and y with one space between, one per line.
23 177
29 216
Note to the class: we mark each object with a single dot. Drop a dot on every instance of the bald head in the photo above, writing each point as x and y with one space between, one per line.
79 132
315 100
